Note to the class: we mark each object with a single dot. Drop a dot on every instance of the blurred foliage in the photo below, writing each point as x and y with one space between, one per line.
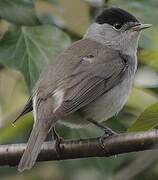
29 49
64 14
25 15
147 120
34 32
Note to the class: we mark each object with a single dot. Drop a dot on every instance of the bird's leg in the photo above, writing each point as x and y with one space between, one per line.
107 131
55 135
58 140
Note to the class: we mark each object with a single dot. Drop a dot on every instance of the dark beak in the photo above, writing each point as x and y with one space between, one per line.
140 27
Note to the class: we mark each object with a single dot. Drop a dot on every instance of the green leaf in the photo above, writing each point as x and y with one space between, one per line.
20 12
28 49
150 56
147 120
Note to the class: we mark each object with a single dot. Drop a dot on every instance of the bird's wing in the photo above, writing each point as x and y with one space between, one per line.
94 76
28 107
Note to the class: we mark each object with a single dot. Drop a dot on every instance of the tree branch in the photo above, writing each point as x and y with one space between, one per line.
73 149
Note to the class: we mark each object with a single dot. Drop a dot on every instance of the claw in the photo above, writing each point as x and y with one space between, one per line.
107 133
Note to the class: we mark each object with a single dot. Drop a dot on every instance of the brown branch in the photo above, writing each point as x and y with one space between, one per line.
73 149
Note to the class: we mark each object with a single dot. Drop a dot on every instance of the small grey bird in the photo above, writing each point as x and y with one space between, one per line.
88 83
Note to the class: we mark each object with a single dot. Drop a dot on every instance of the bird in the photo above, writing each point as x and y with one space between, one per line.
87 83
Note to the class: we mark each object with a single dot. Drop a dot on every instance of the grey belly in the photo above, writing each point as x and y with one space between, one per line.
102 108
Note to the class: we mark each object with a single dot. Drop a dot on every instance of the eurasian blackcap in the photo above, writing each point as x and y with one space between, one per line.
88 83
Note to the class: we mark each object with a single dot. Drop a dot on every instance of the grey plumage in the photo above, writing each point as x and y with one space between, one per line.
87 81
82 82
91 79
43 122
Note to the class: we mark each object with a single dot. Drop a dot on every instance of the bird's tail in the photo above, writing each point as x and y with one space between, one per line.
37 137
43 123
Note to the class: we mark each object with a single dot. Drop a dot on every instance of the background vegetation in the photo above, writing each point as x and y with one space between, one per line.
34 32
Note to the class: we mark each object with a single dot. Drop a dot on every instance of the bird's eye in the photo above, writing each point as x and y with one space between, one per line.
117 26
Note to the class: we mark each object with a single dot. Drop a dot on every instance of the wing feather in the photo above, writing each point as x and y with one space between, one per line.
92 81
28 107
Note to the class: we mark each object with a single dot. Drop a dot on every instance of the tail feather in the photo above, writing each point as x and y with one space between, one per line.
37 137
44 120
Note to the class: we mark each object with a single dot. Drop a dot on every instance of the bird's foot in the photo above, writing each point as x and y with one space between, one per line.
107 133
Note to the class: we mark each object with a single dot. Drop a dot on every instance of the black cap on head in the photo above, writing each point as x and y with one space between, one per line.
114 15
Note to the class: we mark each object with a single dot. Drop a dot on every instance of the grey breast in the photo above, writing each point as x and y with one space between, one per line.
113 101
